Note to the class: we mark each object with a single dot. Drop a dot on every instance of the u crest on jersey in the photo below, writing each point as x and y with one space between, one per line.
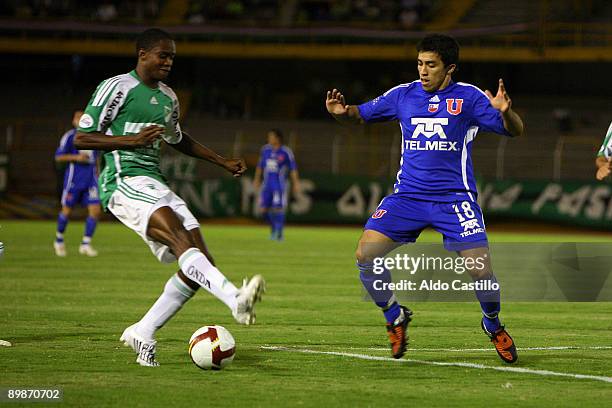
454 106
379 214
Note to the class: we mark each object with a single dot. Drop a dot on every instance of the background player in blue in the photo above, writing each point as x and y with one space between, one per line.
276 163
435 184
80 187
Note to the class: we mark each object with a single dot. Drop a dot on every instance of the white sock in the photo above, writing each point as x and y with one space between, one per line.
174 296
197 267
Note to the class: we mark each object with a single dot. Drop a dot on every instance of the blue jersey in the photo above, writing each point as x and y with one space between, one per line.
438 129
77 175
276 165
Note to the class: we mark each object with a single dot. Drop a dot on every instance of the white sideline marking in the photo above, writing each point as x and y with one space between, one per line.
489 349
439 363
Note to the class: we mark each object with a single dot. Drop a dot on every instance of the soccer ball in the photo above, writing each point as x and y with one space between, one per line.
212 347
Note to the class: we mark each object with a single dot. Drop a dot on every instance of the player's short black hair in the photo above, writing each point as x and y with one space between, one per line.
150 38
446 47
278 133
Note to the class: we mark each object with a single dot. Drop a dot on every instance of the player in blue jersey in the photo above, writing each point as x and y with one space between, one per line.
80 187
435 185
276 164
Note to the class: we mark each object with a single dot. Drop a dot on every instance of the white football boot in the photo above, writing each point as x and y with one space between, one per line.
60 248
87 249
249 294
145 349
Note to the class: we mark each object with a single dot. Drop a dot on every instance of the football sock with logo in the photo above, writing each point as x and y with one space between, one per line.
490 304
62 223
197 267
90 228
383 298
175 294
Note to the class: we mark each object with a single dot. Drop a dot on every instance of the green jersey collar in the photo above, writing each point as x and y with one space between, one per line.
135 75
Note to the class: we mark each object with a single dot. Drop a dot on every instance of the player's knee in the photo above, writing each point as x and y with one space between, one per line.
362 255
94 212
480 273
358 254
180 242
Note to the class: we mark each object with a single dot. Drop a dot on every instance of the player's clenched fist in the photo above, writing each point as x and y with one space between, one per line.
148 135
335 103
604 171
235 166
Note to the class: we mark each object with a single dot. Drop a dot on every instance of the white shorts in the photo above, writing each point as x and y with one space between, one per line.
136 198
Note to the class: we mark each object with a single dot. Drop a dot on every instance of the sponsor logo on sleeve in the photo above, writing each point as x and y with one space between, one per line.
111 109
86 121
378 214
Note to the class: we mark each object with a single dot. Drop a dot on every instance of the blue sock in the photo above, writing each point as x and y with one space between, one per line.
383 298
277 220
62 223
266 217
392 312
280 224
490 304
90 228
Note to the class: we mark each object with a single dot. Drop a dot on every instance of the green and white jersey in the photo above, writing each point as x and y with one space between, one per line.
122 106
606 147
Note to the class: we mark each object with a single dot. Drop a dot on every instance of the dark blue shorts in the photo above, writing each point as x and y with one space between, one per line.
83 195
402 219
272 198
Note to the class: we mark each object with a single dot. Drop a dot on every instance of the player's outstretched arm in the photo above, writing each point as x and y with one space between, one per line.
257 178
502 102
337 107
295 182
192 148
604 167
99 141
76 158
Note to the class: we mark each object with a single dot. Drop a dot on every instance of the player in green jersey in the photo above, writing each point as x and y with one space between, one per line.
128 117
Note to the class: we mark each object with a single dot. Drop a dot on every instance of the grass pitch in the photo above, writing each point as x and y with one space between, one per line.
64 318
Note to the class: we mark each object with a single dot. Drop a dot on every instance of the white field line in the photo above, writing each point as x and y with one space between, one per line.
443 364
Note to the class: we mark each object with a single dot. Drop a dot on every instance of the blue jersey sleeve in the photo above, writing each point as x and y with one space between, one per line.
67 144
292 164
262 160
486 116
382 108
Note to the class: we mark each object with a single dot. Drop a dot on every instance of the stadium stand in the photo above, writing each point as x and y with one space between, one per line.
233 87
